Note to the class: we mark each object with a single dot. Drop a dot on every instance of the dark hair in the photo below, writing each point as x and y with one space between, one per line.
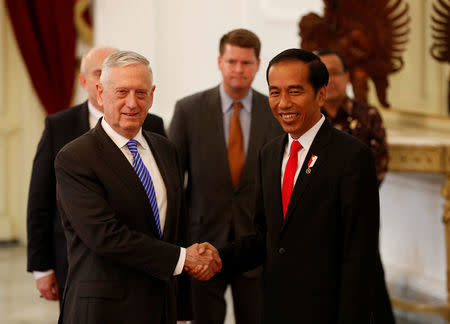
318 73
327 51
242 38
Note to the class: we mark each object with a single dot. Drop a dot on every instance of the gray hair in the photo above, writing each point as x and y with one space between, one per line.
121 59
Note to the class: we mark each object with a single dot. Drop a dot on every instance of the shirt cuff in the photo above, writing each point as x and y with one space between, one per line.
40 274
180 264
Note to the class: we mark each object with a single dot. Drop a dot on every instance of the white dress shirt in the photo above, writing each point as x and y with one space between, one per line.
158 182
306 141
94 115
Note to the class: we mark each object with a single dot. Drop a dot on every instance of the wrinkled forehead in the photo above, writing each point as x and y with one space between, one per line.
134 76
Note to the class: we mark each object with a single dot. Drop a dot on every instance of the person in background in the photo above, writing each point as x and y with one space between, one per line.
47 255
356 118
218 133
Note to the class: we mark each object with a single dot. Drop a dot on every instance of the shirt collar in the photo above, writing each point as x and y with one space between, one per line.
94 112
307 138
227 101
122 141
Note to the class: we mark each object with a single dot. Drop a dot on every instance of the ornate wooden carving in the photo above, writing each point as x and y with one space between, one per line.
371 35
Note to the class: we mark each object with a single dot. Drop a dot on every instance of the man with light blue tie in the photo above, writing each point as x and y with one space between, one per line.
119 190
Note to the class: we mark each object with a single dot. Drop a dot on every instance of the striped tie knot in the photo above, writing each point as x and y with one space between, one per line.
132 146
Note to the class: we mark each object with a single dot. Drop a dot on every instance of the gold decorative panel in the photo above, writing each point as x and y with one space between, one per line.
426 158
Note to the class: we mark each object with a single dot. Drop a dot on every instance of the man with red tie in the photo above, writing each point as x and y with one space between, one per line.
317 207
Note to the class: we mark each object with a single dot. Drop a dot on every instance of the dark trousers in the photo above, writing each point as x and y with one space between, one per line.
209 303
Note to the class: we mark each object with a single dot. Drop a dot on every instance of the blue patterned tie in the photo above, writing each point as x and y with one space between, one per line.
146 180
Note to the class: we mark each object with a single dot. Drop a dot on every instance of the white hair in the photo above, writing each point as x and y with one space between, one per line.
124 58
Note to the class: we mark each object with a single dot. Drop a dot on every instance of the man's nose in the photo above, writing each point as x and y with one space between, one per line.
131 100
285 101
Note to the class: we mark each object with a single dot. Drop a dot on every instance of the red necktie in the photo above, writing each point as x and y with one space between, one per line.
289 174
236 156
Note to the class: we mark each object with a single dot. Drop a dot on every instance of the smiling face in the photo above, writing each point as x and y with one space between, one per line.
126 95
238 66
292 98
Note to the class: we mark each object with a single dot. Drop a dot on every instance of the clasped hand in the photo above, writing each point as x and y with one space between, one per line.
202 261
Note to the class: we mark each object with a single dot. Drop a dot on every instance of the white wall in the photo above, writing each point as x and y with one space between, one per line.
412 232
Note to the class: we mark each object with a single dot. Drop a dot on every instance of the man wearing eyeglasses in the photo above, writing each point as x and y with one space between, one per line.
353 117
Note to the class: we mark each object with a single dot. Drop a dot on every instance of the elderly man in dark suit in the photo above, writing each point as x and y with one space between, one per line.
119 189
317 207
47 256
218 133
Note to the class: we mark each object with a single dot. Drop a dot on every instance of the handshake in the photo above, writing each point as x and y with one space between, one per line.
202 261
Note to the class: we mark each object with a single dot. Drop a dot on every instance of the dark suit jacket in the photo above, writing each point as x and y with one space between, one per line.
119 269
214 206
46 241
319 261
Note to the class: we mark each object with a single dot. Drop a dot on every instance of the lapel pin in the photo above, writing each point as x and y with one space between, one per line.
311 163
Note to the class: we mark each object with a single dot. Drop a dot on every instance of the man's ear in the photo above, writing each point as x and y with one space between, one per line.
82 80
99 87
321 96
219 62
152 93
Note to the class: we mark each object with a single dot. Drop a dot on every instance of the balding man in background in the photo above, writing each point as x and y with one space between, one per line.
47 255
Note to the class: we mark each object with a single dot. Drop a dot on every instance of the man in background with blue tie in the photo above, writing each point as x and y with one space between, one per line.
119 190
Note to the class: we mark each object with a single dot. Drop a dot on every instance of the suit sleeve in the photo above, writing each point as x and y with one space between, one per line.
87 214
178 135
360 218
249 252
41 205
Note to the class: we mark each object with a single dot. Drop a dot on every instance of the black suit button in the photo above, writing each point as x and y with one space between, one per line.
281 251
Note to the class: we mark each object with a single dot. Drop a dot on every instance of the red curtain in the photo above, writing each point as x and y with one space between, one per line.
45 33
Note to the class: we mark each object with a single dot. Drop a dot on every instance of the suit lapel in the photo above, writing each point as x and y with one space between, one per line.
113 157
275 170
256 138
318 149
213 124
83 116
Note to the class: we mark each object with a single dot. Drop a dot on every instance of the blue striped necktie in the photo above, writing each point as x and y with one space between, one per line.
146 180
